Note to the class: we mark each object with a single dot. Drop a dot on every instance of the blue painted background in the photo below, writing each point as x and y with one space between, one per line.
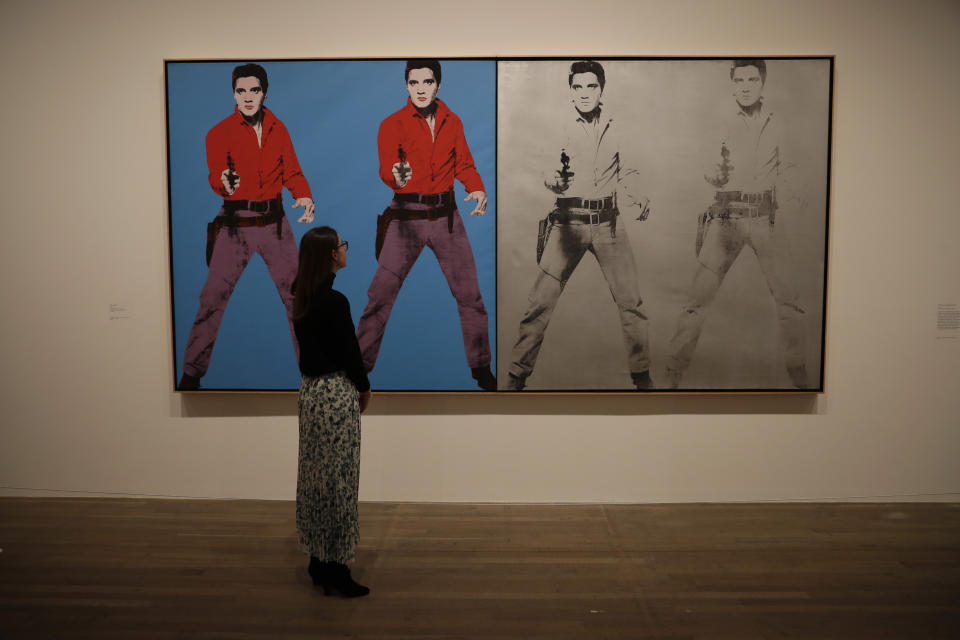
332 110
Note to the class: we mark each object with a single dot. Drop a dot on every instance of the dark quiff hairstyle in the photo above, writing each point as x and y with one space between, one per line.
315 267
251 70
588 66
747 62
423 63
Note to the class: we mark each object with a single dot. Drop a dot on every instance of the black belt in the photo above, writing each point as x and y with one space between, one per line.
257 206
600 204
562 217
397 211
434 199
229 221
758 197
729 213
272 211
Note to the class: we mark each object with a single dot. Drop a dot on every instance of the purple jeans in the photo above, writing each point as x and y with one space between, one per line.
402 245
230 256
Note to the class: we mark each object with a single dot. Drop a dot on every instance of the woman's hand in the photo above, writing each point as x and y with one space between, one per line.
363 397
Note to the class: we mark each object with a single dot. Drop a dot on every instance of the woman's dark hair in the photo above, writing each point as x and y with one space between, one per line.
315 267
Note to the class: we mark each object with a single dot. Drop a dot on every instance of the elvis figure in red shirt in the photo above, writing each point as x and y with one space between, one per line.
422 149
250 159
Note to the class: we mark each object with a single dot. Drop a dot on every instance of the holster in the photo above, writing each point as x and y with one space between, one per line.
702 221
212 229
383 221
542 234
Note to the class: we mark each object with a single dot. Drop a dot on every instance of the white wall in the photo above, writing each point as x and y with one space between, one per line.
86 402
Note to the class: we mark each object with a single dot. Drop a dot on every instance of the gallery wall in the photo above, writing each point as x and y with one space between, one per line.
87 401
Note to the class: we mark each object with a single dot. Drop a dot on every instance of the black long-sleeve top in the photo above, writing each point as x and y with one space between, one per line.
328 341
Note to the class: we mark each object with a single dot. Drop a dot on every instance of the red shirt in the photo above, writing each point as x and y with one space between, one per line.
264 169
435 161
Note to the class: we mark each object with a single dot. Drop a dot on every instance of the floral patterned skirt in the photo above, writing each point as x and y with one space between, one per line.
328 475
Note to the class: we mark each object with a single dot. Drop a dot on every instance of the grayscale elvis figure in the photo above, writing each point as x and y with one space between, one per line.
591 184
422 149
751 174
250 159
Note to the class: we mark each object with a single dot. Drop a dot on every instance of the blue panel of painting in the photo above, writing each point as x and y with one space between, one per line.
332 110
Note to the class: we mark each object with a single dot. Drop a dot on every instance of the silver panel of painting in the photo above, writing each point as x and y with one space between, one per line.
662 224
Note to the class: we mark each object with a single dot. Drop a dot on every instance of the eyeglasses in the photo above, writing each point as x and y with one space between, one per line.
344 244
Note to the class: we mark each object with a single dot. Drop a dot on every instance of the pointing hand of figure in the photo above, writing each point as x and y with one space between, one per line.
644 204
402 173
481 199
308 208
230 180
721 175
795 205
555 185
560 181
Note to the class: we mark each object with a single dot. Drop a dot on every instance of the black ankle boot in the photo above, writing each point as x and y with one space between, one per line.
484 377
318 571
340 580
642 380
516 383
189 383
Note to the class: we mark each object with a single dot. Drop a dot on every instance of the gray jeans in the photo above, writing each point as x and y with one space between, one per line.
566 245
724 240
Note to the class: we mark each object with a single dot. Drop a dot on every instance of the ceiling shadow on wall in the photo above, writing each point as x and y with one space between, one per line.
260 404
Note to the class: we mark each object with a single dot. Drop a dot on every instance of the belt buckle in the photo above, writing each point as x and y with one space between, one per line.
731 196
594 217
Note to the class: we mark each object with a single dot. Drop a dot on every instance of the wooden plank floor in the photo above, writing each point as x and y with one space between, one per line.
152 569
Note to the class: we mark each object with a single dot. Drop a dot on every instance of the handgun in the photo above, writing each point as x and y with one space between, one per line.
404 169
232 176
565 173
725 166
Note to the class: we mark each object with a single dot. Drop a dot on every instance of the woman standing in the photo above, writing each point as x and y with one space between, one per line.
334 391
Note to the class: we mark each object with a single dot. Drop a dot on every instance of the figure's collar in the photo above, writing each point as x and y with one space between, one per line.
266 121
440 113
754 111
600 115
